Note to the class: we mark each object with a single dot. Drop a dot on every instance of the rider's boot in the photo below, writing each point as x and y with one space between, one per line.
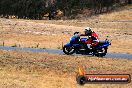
89 46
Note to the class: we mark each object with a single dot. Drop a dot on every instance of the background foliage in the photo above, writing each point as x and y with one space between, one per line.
36 9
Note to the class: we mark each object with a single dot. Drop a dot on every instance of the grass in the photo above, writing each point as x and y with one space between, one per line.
41 70
124 14
51 34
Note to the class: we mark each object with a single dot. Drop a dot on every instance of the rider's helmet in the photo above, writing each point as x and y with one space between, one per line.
88 31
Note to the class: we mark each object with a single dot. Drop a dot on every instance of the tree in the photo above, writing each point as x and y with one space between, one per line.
31 9
35 9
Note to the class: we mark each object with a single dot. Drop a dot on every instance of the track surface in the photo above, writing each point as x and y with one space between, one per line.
58 51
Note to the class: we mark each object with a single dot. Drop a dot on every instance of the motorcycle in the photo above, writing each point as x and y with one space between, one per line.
77 45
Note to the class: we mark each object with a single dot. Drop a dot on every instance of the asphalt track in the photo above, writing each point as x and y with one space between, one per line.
60 52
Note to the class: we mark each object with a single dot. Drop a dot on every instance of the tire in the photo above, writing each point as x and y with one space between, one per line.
104 51
81 80
68 50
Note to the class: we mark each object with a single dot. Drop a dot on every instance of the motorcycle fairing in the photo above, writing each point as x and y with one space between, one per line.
103 45
69 44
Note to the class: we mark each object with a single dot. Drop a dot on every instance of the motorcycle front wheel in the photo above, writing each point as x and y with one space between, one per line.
101 53
68 50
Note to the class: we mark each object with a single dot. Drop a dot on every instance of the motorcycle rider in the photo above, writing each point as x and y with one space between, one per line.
92 40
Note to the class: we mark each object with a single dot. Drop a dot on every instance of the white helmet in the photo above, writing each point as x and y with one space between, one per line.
88 30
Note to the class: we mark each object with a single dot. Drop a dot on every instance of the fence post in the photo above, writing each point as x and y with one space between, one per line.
3 43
